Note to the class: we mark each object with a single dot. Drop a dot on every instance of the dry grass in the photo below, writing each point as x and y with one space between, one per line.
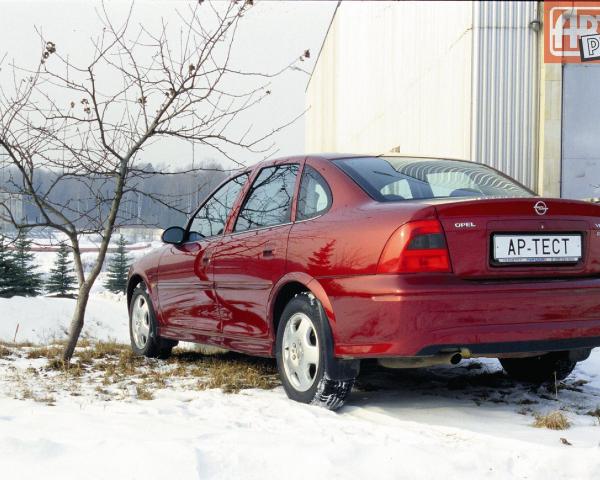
113 368
47 399
553 420
56 363
234 375
27 394
99 351
18 344
5 352
143 393
595 413
50 352
99 356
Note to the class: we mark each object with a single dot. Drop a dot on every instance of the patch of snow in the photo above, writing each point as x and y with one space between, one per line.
263 435
467 422
42 319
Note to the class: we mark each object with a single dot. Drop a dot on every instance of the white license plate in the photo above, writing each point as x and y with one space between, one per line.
537 248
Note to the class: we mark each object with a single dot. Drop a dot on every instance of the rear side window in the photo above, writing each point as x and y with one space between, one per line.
399 190
269 201
389 179
444 184
314 198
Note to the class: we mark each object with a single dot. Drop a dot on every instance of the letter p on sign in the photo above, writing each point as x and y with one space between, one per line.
589 47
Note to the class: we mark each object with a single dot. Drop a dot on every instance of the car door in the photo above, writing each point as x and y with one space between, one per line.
252 257
186 294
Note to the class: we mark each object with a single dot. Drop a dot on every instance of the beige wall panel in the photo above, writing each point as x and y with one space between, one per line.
394 75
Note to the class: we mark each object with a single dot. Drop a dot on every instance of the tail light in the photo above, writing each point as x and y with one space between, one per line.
415 247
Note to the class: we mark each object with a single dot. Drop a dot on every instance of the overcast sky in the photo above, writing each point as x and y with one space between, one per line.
272 34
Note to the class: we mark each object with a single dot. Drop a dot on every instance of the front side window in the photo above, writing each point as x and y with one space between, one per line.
269 201
211 218
314 197
390 179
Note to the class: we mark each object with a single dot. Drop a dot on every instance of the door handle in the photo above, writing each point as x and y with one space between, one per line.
206 258
269 250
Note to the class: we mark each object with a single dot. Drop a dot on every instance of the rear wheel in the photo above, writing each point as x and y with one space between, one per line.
143 327
301 351
540 369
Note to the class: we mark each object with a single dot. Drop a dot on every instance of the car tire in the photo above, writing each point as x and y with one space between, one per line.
540 369
303 354
143 327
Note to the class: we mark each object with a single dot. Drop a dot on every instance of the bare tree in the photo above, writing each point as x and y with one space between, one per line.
71 119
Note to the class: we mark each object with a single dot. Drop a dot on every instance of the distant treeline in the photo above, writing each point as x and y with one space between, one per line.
154 199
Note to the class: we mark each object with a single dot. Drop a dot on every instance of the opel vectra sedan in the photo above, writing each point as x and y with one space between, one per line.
323 261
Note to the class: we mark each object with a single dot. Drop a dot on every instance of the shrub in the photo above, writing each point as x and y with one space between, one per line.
553 420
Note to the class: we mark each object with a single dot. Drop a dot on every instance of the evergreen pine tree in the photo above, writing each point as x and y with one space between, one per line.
61 280
27 282
8 270
321 259
118 268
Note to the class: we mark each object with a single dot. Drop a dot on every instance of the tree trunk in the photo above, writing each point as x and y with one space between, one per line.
76 322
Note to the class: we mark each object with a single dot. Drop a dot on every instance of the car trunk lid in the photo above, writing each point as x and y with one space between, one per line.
479 233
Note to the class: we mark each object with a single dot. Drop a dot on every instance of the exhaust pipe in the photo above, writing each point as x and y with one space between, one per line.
451 358
456 358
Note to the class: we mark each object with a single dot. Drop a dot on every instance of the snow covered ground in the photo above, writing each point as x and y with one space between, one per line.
469 421
43 319
262 435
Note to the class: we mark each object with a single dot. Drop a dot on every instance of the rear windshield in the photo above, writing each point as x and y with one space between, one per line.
392 179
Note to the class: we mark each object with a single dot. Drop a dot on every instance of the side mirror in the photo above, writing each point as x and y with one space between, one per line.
174 235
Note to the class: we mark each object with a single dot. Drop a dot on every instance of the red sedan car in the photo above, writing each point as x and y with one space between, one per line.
323 261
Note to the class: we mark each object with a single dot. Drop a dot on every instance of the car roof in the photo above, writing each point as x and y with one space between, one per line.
330 156
338 156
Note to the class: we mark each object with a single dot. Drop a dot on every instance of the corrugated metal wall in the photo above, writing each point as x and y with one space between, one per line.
505 87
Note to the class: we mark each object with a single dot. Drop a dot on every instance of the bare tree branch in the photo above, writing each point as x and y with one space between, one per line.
76 121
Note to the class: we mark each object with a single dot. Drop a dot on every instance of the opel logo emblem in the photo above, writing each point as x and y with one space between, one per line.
540 208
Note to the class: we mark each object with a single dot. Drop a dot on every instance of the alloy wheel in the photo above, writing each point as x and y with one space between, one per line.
300 351
140 322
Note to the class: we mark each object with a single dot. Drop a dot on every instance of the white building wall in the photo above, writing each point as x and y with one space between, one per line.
448 79
394 75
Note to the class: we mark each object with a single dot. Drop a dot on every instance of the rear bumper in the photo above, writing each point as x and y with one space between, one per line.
493 349
409 315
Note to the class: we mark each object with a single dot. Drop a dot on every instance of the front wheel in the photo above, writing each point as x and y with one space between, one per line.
540 369
143 327
301 351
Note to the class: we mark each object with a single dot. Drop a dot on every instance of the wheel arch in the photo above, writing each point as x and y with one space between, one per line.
134 280
287 288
